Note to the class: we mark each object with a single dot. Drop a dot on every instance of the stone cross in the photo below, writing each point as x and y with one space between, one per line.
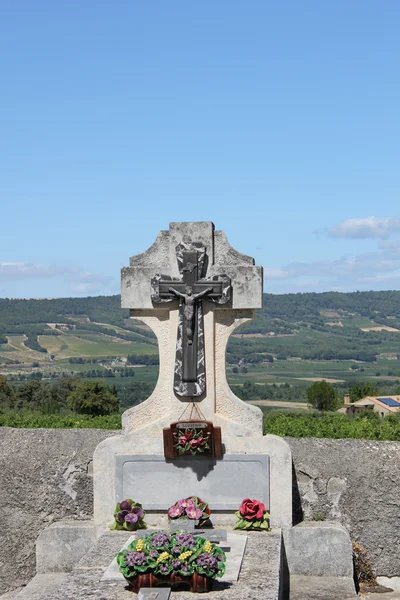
193 290
190 374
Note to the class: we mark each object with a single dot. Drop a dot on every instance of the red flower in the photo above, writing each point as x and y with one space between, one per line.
194 443
252 509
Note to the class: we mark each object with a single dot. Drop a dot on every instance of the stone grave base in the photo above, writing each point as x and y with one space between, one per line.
260 576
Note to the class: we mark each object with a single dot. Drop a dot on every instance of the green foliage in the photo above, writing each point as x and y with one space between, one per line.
7 393
332 425
322 395
33 344
361 389
34 419
92 398
254 391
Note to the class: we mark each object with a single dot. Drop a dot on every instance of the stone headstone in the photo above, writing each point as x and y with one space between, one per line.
193 290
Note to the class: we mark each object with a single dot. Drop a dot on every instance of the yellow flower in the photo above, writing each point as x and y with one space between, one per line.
185 555
163 556
207 546
139 545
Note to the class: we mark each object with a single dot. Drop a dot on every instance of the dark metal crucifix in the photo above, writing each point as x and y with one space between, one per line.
190 376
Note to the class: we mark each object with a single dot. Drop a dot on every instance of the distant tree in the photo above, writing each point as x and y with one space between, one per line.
61 389
7 393
93 398
361 389
322 395
30 394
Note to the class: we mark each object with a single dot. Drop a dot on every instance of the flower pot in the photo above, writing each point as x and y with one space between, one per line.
210 432
192 583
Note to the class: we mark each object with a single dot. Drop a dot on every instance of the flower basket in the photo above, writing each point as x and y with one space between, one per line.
178 560
192 438
191 508
192 583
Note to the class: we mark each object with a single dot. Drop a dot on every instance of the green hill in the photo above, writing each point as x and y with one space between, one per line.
295 338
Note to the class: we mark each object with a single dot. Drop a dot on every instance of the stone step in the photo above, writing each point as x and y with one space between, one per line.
42 586
306 587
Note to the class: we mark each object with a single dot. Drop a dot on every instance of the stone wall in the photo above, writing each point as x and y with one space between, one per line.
354 482
45 476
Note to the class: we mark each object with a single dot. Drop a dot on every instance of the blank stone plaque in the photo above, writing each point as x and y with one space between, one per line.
158 484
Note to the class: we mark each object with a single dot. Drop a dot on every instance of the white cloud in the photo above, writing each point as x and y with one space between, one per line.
80 280
372 270
367 227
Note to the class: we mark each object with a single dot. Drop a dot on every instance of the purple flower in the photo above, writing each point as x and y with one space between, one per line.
153 553
131 518
160 539
163 568
176 563
208 561
121 515
136 510
184 567
175 511
177 550
185 539
125 505
194 513
134 558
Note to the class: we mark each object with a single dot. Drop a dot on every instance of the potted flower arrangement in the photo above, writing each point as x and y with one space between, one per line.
192 438
128 515
190 508
252 514
191 441
172 559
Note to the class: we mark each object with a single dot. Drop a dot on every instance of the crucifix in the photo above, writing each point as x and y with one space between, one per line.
190 290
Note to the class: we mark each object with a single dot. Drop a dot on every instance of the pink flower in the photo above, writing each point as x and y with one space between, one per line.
183 440
186 503
175 511
194 513
194 443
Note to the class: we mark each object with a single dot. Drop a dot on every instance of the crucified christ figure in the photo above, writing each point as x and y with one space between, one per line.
189 300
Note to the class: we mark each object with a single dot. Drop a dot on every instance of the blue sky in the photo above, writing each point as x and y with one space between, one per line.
278 121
